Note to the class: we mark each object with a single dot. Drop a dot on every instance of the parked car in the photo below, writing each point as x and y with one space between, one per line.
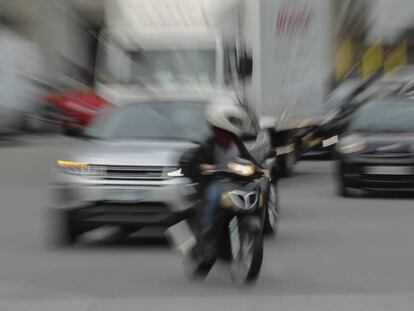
125 173
77 108
377 150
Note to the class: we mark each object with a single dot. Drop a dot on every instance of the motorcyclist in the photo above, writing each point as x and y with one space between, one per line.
226 121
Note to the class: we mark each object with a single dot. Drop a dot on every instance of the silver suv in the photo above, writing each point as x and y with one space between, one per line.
124 173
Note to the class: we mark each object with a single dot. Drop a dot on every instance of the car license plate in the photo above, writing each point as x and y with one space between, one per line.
330 141
389 170
125 195
234 236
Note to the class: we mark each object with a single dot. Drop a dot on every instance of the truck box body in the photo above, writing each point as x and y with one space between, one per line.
291 55
288 40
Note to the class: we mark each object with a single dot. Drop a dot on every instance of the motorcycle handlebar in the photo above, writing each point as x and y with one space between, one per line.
226 173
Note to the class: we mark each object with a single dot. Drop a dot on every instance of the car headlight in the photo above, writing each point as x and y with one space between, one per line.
242 169
175 173
351 144
80 168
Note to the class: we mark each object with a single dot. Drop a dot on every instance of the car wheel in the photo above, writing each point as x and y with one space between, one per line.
286 163
271 222
343 189
66 229
69 131
125 231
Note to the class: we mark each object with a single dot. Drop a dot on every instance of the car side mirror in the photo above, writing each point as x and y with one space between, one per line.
245 66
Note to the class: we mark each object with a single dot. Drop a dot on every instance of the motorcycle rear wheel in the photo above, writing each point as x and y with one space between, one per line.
271 222
197 266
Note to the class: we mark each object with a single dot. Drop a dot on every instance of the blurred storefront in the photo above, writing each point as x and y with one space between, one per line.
65 32
391 29
351 32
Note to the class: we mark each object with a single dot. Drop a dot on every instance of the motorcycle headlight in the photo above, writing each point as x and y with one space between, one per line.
351 144
242 169
80 168
244 200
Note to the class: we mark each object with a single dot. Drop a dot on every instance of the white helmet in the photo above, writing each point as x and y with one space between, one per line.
227 116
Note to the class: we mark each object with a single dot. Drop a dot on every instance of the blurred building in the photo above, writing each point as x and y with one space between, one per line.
352 26
389 19
366 36
64 30
390 39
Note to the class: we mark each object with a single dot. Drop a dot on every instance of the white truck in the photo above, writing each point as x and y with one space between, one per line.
273 54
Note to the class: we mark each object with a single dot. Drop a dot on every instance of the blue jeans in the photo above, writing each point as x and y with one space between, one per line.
211 200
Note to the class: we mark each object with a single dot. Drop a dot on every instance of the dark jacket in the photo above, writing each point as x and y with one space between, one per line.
204 154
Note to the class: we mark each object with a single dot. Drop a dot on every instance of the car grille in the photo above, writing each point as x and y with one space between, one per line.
126 213
388 181
387 155
147 173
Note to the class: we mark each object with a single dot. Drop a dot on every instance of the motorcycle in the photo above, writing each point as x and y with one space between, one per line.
237 237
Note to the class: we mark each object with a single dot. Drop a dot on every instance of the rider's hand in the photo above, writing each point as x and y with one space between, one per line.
266 173
207 167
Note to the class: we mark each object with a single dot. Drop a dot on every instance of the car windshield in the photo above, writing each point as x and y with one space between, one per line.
152 121
389 115
341 93
160 68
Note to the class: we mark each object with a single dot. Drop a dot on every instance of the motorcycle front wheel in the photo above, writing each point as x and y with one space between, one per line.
245 267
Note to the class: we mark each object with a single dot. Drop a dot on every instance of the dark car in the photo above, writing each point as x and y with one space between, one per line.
377 150
338 110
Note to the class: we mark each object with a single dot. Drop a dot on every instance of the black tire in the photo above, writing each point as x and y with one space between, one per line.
271 221
196 266
68 131
286 163
66 229
342 188
72 132
129 230
253 271
202 270
298 149
24 124
257 259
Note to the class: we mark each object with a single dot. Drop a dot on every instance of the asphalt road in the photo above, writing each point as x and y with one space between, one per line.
331 254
